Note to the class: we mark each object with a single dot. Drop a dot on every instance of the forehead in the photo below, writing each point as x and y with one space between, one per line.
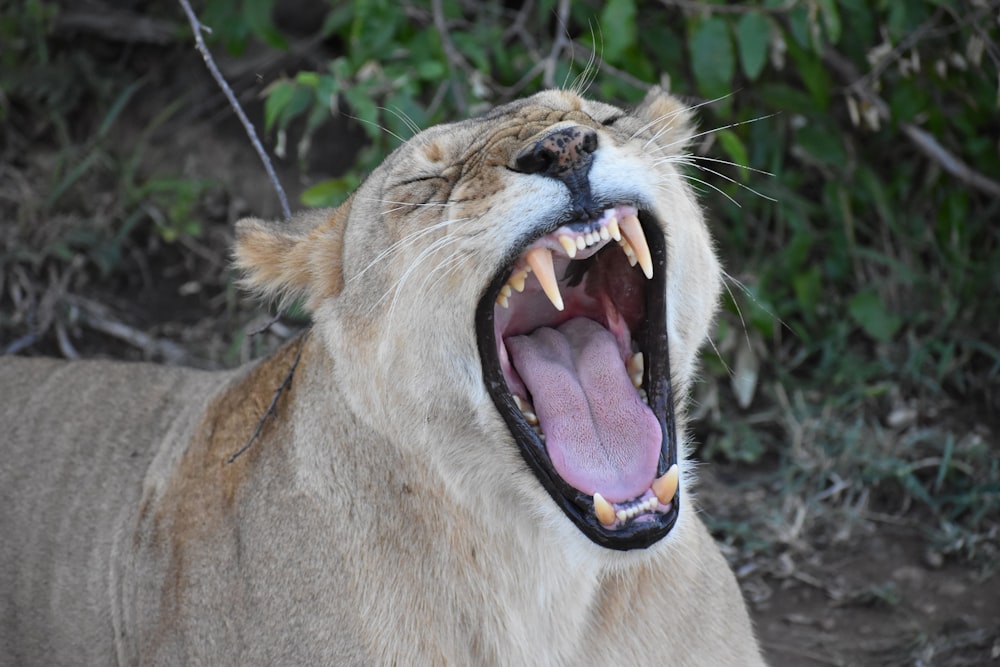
517 120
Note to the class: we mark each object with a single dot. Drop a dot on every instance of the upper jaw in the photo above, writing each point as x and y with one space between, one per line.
542 276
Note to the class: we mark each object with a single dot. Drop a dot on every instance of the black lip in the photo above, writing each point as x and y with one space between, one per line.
577 505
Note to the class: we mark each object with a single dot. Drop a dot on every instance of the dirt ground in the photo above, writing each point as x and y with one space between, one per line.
875 594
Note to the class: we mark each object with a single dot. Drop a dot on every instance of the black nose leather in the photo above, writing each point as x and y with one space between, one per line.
559 153
565 155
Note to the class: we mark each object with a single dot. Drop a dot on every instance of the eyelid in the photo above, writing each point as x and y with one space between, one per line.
611 121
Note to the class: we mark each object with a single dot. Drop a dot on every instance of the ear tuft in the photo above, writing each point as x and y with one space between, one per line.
294 259
670 120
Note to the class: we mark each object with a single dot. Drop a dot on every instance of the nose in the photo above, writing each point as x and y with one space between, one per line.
560 153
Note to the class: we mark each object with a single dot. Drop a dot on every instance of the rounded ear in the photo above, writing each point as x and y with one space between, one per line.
299 258
670 120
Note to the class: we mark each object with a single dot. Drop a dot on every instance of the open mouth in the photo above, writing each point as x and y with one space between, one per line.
572 336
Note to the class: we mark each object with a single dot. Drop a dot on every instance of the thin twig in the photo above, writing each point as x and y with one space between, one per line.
614 71
272 408
117 26
267 325
197 28
21 343
455 59
924 142
520 19
98 317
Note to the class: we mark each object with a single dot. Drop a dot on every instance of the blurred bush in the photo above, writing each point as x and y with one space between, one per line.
849 153
872 240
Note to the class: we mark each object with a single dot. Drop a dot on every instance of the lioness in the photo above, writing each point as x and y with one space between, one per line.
479 458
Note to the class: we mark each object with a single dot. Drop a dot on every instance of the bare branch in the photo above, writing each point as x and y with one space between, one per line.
99 317
614 71
116 25
929 146
197 27
921 139
455 59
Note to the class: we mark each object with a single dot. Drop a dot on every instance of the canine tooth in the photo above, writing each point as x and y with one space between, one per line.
613 229
665 487
569 245
540 260
603 509
633 232
603 233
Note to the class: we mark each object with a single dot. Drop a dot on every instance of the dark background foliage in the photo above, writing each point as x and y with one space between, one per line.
849 156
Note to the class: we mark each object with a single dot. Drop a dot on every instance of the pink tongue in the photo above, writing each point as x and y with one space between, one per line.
599 434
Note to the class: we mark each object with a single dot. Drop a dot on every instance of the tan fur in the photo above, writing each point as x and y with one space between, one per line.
384 514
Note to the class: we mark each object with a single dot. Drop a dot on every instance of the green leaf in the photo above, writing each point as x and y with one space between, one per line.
908 100
329 193
364 108
815 75
277 99
753 35
784 97
831 19
712 59
868 312
822 143
798 24
808 286
336 20
618 28
257 14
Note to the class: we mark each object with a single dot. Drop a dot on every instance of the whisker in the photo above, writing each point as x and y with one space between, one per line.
718 353
750 295
400 205
378 125
675 113
585 79
706 183
727 178
739 313
706 158
405 119
718 129
405 241
434 247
